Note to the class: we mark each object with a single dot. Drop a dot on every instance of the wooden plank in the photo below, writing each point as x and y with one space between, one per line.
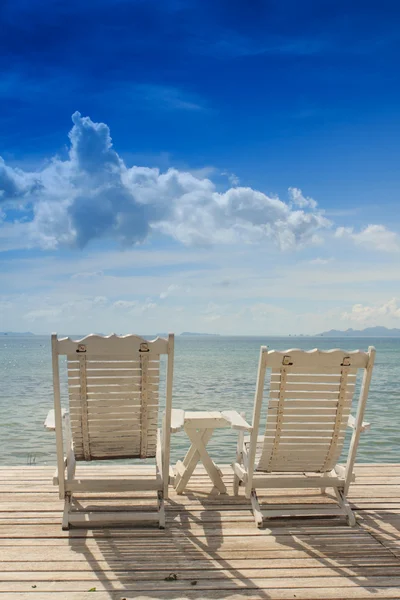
131 573
304 387
209 539
312 378
128 584
125 346
310 394
231 594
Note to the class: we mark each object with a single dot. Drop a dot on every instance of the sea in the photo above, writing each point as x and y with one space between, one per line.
211 373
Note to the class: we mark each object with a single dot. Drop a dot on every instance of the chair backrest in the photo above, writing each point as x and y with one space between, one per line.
113 388
310 398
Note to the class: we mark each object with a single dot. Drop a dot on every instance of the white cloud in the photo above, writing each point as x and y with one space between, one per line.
171 288
232 178
87 276
16 184
94 195
125 304
297 198
166 97
374 236
320 261
375 313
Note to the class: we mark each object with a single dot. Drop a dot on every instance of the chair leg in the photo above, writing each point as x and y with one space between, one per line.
239 460
344 504
236 483
161 509
323 491
256 508
67 508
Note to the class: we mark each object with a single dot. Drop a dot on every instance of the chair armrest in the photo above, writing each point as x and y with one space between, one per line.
50 422
177 420
352 423
236 420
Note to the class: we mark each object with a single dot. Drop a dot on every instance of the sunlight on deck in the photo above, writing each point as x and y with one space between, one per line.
211 547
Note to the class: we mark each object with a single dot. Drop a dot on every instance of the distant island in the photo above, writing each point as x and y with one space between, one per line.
16 333
367 332
202 334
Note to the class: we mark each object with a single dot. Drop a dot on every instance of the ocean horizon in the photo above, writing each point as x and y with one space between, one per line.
211 373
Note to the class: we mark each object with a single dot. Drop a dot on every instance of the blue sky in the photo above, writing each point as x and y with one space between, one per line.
229 166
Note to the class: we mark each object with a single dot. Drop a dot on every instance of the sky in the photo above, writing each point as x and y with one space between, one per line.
188 165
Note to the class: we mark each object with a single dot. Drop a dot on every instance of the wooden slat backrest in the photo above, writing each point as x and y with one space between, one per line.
310 397
113 386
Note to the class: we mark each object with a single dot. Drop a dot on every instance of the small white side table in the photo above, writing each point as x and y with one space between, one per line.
199 427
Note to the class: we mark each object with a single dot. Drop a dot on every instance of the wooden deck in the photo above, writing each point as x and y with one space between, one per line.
211 544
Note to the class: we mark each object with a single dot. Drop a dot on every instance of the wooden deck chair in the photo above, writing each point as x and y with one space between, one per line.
310 398
113 388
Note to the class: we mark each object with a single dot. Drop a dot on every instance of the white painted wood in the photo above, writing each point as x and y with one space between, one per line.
161 509
359 417
58 415
317 359
113 395
66 512
113 485
343 407
308 410
167 414
309 419
199 427
121 346
177 420
236 420
302 377
308 396
240 472
299 481
99 519
187 467
50 422
345 507
214 473
306 388
258 517
262 366
352 423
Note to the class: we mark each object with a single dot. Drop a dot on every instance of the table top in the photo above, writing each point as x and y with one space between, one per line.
205 419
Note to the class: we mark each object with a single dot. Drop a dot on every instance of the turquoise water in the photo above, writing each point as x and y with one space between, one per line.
211 373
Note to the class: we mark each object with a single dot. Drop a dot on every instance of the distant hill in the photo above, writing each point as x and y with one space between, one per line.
367 332
202 334
16 333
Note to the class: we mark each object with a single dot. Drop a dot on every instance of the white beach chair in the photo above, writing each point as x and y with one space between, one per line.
113 387
310 397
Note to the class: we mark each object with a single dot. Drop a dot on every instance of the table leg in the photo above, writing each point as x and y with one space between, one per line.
214 474
190 461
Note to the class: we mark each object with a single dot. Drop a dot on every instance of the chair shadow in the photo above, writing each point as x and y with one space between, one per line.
149 561
200 550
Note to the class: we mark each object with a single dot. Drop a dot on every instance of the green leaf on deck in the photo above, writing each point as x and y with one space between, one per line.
92 589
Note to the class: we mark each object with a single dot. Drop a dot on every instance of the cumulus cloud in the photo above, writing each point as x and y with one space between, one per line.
15 184
374 236
373 314
94 195
298 199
